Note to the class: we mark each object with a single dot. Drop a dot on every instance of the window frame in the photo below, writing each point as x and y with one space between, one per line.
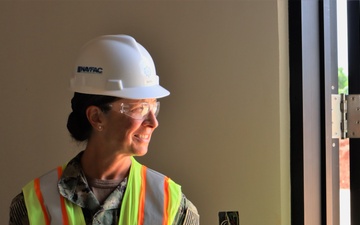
313 78
353 13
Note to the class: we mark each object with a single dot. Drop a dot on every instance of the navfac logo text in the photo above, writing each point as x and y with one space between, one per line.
89 69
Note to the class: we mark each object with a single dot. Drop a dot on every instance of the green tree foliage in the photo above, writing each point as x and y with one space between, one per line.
342 82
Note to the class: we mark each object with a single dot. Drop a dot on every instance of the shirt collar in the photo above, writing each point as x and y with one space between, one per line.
74 187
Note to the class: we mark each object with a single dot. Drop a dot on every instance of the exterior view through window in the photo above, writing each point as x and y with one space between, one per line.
343 89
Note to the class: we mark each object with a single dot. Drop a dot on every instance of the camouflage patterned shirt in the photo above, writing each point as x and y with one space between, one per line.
74 186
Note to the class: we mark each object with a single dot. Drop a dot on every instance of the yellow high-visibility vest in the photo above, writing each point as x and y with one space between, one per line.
150 199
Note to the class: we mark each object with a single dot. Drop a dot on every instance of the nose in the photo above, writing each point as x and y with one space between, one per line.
150 120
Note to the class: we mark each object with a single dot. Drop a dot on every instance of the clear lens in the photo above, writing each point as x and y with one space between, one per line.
140 110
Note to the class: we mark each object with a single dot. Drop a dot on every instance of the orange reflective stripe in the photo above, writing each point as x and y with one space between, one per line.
65 217
142 196
166 201
41 200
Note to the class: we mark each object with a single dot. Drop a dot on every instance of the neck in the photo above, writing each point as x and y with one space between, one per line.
105 166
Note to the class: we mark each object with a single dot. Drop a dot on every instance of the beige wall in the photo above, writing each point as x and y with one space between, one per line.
224 130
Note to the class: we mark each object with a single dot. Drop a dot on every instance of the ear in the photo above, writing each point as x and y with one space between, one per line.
95 116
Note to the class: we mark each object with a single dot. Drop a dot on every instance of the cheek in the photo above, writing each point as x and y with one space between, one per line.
133 126
126 127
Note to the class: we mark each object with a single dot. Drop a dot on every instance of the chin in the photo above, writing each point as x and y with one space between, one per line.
140 153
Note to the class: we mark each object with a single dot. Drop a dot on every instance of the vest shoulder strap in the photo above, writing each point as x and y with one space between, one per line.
150 197
46 206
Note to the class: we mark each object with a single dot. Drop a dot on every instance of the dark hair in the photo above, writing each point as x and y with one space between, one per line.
78 124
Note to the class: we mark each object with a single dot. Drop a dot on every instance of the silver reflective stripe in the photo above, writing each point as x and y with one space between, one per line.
50 193
154 198
191 218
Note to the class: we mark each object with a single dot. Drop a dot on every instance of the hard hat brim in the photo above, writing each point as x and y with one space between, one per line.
155 91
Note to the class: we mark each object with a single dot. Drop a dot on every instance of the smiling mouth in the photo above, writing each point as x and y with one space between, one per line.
143 136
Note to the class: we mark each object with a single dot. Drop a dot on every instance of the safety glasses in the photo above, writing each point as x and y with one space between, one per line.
138 111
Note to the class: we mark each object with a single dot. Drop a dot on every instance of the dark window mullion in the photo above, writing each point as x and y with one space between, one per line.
354 88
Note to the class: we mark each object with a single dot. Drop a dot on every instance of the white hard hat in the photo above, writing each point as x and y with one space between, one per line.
116 65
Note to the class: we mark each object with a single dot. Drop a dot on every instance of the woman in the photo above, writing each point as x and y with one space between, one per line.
114 111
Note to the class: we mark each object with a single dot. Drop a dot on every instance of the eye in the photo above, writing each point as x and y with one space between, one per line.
137 108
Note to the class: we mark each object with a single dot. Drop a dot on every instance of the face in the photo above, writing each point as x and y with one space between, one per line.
125 134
